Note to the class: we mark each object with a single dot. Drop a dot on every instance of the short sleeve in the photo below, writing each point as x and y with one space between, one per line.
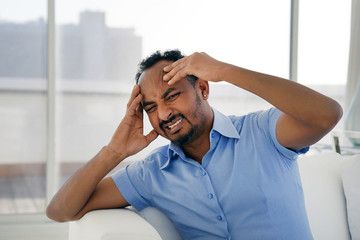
131 185
270 118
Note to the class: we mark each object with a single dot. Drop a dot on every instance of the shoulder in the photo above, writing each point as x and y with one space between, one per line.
144 169
155 159
158 153
259 118
267 113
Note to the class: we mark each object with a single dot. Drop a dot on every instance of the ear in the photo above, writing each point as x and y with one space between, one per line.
203 88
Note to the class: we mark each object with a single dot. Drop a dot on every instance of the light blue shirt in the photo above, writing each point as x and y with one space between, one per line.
248 186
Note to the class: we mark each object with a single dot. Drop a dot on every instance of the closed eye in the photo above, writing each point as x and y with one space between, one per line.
150 109
172 97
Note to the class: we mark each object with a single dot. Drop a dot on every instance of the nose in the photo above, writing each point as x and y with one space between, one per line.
164 113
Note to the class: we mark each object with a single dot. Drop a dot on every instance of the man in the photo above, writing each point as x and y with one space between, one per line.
220 177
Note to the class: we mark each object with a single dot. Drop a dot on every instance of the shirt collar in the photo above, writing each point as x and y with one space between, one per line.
222 124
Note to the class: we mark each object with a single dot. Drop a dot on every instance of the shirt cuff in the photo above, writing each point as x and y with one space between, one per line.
127 189
283 150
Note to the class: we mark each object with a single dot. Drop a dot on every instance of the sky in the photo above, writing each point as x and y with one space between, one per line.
252 34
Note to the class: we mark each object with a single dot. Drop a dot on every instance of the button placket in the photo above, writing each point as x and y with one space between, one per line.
211 196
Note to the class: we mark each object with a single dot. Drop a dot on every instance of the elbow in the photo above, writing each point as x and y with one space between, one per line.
50 213
333 117
55 215
337 114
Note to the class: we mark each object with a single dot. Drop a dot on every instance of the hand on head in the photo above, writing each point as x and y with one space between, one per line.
129 137
200 65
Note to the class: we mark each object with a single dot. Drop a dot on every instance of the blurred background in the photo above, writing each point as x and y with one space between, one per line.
67 69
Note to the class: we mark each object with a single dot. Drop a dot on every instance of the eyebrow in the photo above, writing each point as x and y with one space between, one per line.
165 94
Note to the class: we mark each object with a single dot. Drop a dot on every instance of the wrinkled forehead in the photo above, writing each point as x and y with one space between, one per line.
154 74
151 81
152 85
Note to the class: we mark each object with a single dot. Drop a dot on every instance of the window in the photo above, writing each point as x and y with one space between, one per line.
99 45
22 107
324 36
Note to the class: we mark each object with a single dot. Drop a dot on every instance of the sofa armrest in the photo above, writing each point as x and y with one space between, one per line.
112 224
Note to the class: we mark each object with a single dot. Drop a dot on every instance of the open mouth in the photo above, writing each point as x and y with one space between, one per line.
173 125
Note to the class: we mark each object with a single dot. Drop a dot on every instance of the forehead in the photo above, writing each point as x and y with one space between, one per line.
154 74
152 84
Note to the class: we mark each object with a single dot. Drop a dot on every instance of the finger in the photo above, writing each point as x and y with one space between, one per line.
135 104
178 76
173 68
168 68
173 72
139 111
134 93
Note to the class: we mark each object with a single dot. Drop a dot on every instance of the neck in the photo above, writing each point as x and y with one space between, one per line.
197 152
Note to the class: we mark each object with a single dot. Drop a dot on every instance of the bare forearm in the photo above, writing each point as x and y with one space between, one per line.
76 192
302 103
87 189
308 115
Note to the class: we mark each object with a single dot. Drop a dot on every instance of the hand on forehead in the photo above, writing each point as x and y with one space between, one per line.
151 80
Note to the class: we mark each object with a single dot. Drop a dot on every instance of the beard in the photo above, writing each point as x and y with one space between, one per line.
184 138
187 137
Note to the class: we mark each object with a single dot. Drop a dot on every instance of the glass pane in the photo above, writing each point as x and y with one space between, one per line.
324 36
22 106
101 42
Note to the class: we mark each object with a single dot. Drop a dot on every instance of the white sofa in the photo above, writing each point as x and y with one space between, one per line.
331 185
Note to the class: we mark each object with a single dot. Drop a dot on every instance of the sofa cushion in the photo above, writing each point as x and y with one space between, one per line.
324 197
351 183
161 223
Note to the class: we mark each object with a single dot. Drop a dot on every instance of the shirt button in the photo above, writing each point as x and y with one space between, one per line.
219 218
211 196
203 173
212 135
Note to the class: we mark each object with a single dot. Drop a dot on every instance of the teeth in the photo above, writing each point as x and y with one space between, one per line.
171 126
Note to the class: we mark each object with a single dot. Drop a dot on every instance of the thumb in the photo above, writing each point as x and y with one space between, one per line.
151 136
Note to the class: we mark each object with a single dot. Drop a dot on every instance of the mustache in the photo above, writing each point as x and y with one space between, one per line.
162 123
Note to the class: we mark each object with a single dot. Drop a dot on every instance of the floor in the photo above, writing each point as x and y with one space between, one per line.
19 197
23 189
22 194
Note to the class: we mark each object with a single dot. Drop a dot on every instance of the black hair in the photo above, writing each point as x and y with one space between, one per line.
171 55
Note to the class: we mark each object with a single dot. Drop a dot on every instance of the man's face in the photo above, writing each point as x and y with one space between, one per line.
176 111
